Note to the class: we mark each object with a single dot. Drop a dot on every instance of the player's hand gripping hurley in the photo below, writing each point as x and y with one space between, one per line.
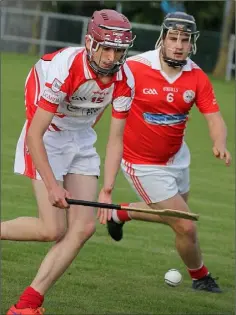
164 212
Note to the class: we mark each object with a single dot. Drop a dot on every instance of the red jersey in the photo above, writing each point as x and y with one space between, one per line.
157 119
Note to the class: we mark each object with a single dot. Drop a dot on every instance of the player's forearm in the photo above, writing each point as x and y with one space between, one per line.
112 163
39 156
218 130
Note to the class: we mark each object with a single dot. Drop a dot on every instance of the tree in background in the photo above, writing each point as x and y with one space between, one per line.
208 15
228 20
33 48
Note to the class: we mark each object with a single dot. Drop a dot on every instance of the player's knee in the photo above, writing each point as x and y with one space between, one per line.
53 233
88 230
79 235
187 229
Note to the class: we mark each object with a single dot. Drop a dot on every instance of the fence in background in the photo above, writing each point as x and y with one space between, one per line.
24 28
9 17
231 59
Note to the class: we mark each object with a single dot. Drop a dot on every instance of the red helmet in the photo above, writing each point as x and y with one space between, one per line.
111 29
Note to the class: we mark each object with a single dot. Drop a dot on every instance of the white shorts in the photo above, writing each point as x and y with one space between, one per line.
69 151
155 183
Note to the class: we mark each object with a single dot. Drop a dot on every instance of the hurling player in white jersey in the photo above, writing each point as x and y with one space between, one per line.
65 94
156 159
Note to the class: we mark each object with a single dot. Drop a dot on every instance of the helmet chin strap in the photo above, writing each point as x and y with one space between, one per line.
173 63
103 71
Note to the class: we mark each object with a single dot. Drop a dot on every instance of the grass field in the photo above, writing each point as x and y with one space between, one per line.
125 277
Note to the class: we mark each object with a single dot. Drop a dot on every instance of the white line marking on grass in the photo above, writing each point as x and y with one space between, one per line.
132 244
215 204
215 218
14 186
18 205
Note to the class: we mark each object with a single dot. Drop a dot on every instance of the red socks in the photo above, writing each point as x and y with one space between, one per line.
198 273
30 299
121 215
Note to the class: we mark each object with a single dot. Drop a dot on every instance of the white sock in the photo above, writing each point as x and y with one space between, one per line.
115 216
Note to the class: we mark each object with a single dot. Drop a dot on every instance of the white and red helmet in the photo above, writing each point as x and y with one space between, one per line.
109 28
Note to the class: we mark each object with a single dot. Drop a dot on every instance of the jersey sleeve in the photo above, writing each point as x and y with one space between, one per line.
123 94
205 97
58 81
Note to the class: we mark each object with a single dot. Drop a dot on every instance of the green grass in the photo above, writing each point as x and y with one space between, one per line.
125 277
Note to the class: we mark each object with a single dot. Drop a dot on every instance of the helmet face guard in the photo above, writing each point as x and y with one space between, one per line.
109 29
181 23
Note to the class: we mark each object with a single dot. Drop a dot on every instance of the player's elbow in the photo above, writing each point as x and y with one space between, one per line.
32 137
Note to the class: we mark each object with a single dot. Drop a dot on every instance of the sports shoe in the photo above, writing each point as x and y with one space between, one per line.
115 230
25 311
207 283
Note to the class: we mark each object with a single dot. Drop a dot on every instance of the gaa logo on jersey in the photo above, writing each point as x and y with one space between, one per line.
188 96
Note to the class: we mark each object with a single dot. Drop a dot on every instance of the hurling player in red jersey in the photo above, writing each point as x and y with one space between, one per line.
156 159
65 93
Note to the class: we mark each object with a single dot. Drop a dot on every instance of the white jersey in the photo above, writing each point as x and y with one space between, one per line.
64 83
